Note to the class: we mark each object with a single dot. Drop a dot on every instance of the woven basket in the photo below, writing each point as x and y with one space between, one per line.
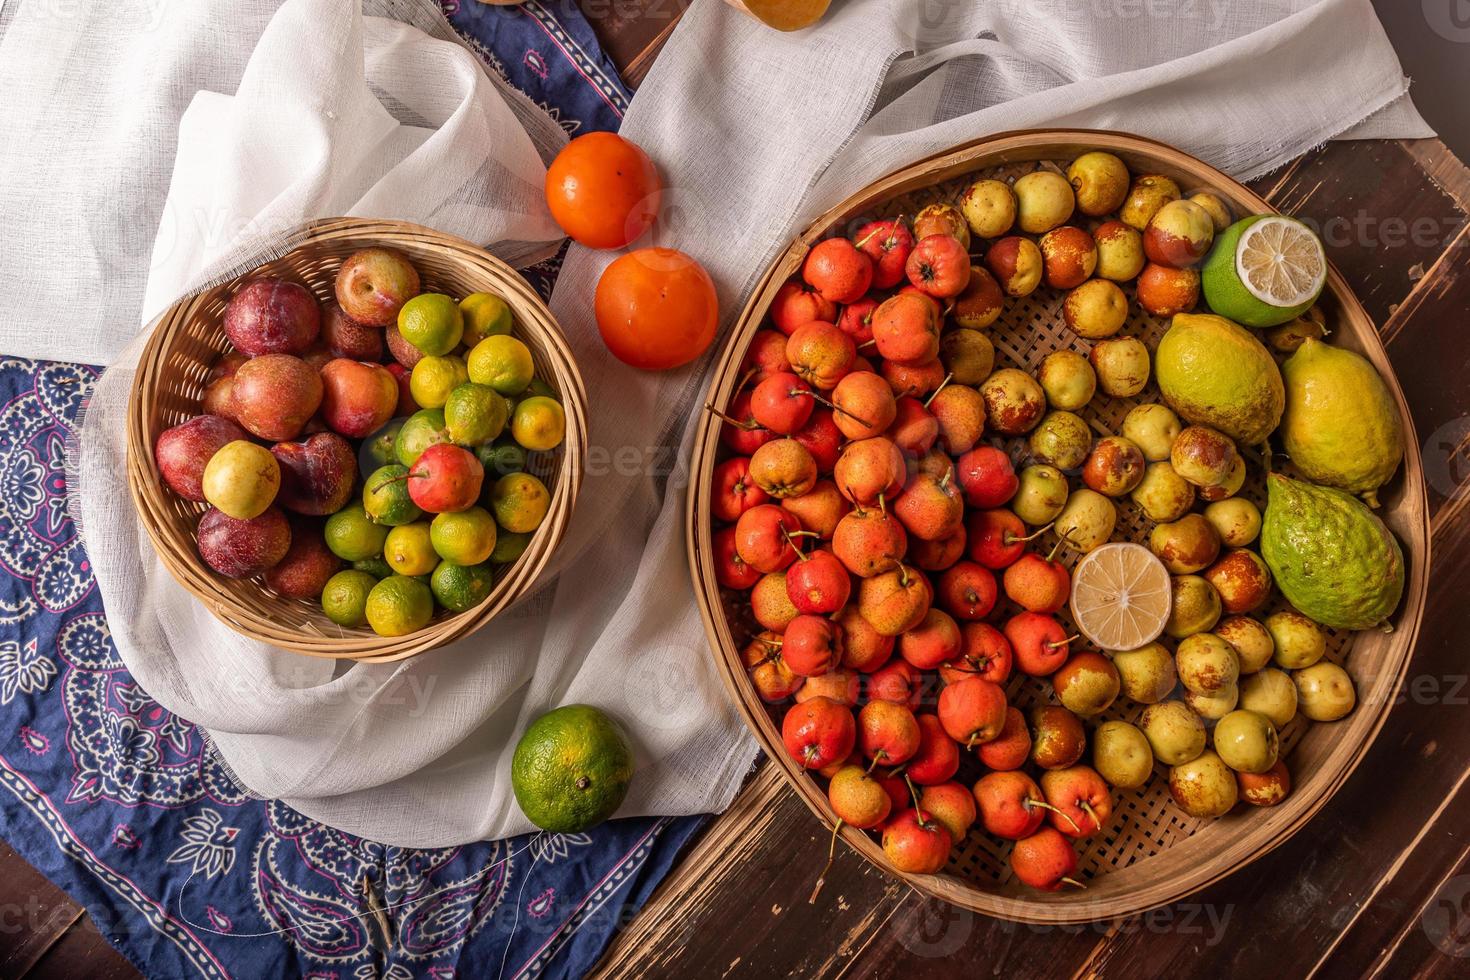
171 378
1150 853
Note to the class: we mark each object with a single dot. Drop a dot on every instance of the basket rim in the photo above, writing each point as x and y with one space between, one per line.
533 318
1286 819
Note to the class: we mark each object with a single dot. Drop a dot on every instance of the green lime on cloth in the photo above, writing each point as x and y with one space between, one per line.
571 769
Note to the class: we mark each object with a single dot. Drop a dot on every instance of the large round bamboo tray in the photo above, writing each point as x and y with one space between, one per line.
1151 853
171 378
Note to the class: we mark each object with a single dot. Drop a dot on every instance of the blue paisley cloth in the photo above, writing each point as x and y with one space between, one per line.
126 806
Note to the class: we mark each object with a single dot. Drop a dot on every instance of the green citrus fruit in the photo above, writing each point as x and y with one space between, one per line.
432 323
571 769
352 535
423 429
461 587
509 545
501 458
409 550
539 423
485 315
465 537
520 501
1264 270
399 605
434 377
503 363
378 450
374 566
474 414
344 598
385 497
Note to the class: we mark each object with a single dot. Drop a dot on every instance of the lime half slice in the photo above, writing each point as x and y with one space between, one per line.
1121 596
1265 270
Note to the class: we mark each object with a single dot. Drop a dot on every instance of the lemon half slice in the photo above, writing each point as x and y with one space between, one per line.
1121 596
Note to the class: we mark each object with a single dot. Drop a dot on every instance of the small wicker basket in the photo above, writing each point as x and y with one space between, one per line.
170 382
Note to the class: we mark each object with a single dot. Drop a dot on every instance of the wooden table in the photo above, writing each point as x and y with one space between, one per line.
1378 883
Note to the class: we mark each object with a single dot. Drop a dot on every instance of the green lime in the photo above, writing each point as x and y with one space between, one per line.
409 551
1265 270
539 387
571 769
501 458
503 363
434 377
461 587
423 429
520 501
474 414
374 566
344 597
465 537
352 535
539 423
399 605
509 545
432 323
385 497
485 315
378 450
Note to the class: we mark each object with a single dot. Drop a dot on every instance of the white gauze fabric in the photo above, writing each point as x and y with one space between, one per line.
754 132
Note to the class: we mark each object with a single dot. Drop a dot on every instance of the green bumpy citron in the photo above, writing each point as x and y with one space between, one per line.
461 587
432 322
571 769
399 605
1341 426
465 537
509 545
519 501
485 315
539 423
423 429
504 363
385 497
344 597
352 535
409 549
474 414
1215 372
1331 556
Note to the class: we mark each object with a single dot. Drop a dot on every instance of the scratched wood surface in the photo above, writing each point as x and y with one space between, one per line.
1378 885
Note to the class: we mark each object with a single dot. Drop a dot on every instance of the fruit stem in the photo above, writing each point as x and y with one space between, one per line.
935 394
1047 806
1061 643
831 856
914 799
1086 808
1073 882
1063 538
838 408
1010 538
747 425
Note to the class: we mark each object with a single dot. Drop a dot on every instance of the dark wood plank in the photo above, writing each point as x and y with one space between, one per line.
82 952
33 915
738 903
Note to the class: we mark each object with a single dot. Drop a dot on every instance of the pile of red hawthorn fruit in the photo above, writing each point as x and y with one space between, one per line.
864 522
